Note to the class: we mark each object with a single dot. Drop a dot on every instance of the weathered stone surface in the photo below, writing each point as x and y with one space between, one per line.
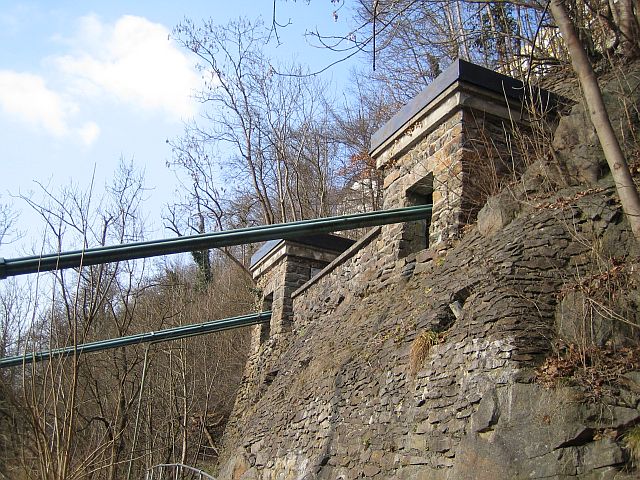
531 429
575 139
236 467
577 145
602 453
497 213
577 321
251 474
417 472
370 470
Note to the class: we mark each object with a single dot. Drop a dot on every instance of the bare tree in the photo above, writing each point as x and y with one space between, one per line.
264 139
354 124
77 422
231 65
409 42
117 413
8 219
627 19
201 209
184 405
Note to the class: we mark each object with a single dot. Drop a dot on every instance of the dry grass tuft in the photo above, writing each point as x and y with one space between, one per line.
631 441
420 350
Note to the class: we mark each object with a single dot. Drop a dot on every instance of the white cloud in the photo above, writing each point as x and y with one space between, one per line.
132 60
89 132
135 61
26 97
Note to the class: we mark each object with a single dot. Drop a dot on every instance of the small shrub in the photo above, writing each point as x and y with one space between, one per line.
595 370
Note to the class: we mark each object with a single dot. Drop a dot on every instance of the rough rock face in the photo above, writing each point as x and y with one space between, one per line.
575 139
343 404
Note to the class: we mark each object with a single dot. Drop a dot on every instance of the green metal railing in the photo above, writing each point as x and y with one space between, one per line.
150 337
116 253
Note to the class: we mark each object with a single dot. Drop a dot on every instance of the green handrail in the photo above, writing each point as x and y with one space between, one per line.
152 248
174 333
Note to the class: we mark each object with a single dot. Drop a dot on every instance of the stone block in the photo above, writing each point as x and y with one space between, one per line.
417 441
602 453
439 443
421 472
370 470
497 213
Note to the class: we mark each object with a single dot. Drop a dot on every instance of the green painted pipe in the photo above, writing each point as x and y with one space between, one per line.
115 253
149 337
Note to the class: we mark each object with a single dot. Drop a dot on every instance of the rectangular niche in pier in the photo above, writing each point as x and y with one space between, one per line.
415 235
265 328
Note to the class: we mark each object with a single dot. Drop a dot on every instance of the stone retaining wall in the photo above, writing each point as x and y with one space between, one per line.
343 404
411 363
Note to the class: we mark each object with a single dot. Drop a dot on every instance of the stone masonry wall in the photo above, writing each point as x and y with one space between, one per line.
438 154
346 282
267 342
492 158
269 285
278 283
343 405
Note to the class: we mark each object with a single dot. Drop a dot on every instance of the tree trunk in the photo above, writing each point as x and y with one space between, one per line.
628 24
627 190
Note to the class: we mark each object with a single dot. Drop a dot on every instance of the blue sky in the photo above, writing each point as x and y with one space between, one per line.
84 83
